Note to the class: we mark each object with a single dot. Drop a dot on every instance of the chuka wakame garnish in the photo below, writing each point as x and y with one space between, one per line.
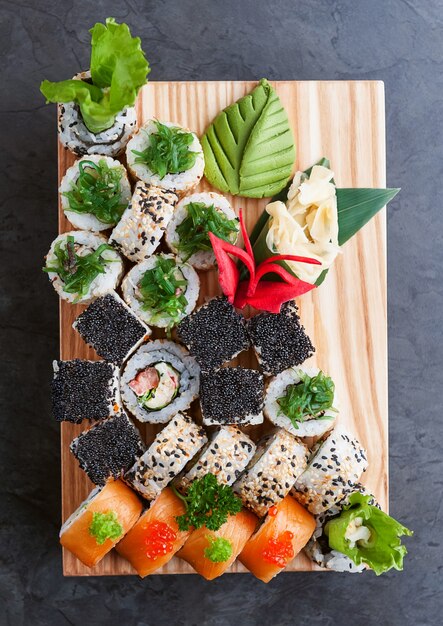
219 549
162 290
168 151
310 397
207 504
77 272
201 220
97 190
105 526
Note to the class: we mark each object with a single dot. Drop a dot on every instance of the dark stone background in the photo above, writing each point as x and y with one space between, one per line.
399 42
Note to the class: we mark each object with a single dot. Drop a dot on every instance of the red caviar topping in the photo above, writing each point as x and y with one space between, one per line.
273 511
159 539
280 551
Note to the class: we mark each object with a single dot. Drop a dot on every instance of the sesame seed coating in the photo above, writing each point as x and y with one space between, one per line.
279 340
84 390
106 450
232 395
214 334
111 328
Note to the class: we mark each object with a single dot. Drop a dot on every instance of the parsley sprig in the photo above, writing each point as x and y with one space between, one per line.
168 151
310 397
162 291
207 504
97 190
75 271
201 220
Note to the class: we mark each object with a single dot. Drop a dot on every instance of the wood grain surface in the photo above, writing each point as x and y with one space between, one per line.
346 317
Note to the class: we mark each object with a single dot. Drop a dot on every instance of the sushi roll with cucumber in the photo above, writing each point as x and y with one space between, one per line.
171 450
138 233
158 381
94 192
82 266
335 465
161 290
96 108
166 155
302 400
279 460
196 216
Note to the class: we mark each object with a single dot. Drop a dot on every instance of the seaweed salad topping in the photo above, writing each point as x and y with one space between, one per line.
309 398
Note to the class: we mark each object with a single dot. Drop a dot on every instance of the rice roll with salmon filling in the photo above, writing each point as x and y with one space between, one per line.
225 456
94 192
166 155
279 460
104 518
98 114
161 290
171 450
356 534
283 533
335 465
301 400
158 381
138 233
155 538
195 217
82 266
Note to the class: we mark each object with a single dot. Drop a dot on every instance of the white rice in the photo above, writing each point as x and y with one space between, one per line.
277 388
202 259
181 182
103 283
133 278
80 510
161 351
88 221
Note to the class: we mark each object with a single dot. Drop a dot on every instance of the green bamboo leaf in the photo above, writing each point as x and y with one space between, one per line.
249 147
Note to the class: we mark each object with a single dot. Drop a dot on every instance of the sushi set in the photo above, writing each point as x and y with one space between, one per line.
222 382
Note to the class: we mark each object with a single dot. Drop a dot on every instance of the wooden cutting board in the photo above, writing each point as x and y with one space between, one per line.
346 317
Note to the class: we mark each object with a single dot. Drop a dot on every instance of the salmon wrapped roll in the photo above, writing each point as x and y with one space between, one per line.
211 553
100 522
285 531
155 538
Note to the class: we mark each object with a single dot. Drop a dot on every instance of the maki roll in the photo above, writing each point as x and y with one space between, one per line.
94 192
106 515
110 327
166 155
225 456
335 465
82 266
98 114
138 233
108 449
85 390
283 533
355 534
158 381
170 451
231 395
155 538
195 217
161 290
279 460
301 400
214 334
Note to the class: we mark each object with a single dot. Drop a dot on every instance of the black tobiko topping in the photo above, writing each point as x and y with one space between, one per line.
280 341
214 334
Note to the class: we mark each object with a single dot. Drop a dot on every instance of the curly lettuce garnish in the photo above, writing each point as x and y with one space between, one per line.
118 70
97 191
219 549
168 151
367 535
309 398
105 526
162 291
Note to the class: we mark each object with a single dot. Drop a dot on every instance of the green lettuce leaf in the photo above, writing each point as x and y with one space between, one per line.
118 70
383 551
249 147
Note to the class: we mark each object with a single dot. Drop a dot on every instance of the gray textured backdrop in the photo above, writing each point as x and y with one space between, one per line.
399 42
